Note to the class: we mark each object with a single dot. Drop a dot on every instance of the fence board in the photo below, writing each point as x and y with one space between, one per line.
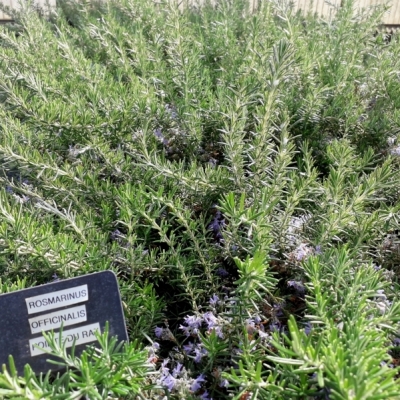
16 4
326 8
321 7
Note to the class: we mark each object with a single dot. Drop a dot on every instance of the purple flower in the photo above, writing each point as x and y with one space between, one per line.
166 379
278 310
188 348
307 328
205 395
275 326
262 334
250 322
199 352
217 223
318 249
186 330
302 252
25 199
115 235
212 323
177 370
196 384
169 382
164 367
212 162
396 342
222 272
158 134
224 383
193 330
171 110
156 346
158 331
214 300
152 353
210 319
193 321
218 331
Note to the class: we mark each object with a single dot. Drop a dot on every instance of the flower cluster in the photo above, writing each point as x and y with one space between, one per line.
216 226
174 377
196 329
173 140
195 350
171 111
159 135
193 324
253 325
301 253
222 272
20 198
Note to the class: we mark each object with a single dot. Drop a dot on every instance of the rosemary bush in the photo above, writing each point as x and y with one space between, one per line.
239 171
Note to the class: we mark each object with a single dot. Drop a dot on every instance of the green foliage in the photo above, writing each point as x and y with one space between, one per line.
351 324
237 169
110 370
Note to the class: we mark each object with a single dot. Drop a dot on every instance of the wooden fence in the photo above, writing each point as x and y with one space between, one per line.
321 7
16 4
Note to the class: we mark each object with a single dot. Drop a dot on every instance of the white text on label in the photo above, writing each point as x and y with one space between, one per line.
54 320
57 299
83 334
